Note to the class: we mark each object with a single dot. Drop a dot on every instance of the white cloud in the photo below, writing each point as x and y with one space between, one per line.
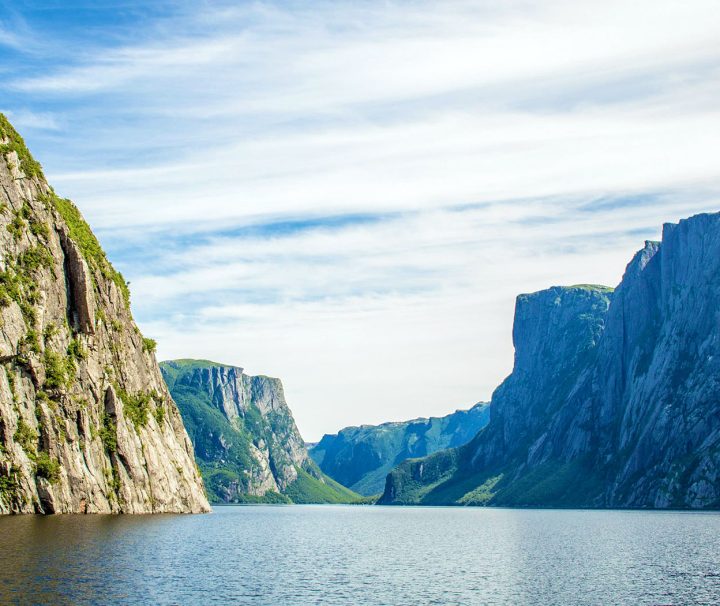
186 142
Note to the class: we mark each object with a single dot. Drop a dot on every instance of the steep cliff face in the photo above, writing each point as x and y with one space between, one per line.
659 403
555 333
86 422
631 420
361 457
245 437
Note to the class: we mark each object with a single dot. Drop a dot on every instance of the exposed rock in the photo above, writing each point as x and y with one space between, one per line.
86 422
80 296
361 457
245 437
615 409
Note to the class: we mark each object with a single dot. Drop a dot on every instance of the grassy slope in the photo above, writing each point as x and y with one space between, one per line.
555 484
311 489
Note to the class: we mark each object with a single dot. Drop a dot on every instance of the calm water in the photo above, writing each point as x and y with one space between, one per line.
363 555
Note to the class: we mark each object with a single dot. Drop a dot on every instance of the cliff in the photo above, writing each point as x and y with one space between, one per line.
361 457
86 422
627 418
245 438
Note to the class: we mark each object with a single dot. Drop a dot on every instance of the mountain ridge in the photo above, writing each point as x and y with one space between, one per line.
245 438
633 420
361 456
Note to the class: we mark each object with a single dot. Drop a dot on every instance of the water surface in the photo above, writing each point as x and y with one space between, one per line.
363 555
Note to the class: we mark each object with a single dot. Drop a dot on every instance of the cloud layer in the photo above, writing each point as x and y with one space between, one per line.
350 195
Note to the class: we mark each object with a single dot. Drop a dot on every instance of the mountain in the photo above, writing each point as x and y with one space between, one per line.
614 399
246 441
361 457
86 422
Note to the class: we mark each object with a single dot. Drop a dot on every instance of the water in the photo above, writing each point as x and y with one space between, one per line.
363 555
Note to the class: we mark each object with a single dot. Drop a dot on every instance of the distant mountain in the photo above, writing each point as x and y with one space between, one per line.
614 400
245 438
86 422
361 457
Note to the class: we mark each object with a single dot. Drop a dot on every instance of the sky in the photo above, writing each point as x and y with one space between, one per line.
350 195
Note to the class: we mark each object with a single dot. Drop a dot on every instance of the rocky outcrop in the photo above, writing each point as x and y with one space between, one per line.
361 457
86 422
630 417
245 438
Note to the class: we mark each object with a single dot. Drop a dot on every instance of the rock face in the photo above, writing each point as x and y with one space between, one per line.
361 457
86 422
246 441
616 408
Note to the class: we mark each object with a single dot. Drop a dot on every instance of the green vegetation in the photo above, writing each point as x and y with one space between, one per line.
26 436
219 482
9 288
9 485
205 423
35 258
137 406
39 229
47 467
159 413
564 484
49 331
438 469
108 433
76 350
596 287
270 497
16 227
149 345
174 369
483 494
59 370
31 341
15 143
11 382
224 448
18 282
112 477
319 488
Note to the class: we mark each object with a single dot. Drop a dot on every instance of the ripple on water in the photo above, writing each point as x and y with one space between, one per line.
363 555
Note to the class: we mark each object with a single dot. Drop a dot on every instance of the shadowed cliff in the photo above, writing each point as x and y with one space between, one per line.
614 400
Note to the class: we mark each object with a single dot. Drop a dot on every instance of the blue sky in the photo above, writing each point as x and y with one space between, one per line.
349 195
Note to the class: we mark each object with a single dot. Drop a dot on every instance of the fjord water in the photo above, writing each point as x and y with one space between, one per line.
363 555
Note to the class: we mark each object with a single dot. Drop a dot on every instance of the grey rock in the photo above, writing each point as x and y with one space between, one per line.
68 442
603 409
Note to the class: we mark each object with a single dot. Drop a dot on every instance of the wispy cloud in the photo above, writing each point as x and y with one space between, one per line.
349 195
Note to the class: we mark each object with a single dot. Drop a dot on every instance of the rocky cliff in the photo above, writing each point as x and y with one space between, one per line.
246 441
86 422
603 409
361 457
